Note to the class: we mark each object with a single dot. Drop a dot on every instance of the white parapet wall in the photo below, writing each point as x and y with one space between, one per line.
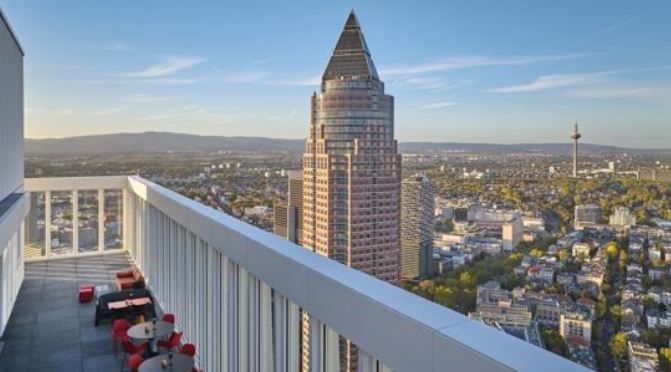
238 292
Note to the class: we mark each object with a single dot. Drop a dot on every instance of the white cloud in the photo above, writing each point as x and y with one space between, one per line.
549 82
438 105
168 67
612 93
452 63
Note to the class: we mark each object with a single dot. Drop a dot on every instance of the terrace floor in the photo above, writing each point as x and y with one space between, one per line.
49 330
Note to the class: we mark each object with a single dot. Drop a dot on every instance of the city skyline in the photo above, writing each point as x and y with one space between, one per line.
462 74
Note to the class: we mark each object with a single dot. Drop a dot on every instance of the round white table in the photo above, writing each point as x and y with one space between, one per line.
180 363
146 330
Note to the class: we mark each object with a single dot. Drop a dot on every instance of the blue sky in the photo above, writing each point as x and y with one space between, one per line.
462 71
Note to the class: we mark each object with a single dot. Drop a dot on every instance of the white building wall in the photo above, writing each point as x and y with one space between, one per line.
14 209
11 111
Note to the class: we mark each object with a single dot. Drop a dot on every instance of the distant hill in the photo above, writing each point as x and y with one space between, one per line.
160 142
157 142
545 148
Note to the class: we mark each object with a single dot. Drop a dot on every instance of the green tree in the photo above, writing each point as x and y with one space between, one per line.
563 254
612 250
618 345
445 296
601 306
665 359
554 342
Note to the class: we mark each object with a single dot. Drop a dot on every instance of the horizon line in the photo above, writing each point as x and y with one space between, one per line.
568 142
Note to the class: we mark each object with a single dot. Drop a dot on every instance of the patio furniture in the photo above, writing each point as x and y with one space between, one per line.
119 329
168 362
130 349
85 293
172 342
188 349
103 311
169 317
151 331
129 279
134 362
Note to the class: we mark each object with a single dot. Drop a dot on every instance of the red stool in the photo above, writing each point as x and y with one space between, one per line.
86 293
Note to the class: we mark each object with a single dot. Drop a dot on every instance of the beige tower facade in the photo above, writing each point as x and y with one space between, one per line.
352 169
288 222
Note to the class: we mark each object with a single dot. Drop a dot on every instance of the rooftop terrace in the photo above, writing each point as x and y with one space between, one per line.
49 330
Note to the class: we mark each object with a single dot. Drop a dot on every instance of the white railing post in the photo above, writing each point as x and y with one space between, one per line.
365 362
47 223
101 220
75 222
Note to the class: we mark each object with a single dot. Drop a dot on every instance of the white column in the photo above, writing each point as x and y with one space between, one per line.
316 345
366 363
47 223
243 320
101 220
75 222
266 328
127 227
331 350
293 349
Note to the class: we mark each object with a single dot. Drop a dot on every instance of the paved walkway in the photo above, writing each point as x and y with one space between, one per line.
49 330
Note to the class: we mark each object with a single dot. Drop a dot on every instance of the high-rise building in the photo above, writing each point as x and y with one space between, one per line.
14 202
352 169
288 221
417 219
586 214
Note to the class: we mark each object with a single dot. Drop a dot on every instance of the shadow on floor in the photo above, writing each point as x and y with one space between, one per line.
49 330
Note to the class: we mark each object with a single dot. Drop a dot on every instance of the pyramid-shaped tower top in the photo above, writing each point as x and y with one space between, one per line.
351 58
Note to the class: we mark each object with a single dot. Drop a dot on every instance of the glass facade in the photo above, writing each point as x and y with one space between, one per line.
87 203
67 223
113 219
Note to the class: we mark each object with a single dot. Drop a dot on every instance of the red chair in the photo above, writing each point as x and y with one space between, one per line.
188 349
130 349
172 342
169 317
119 332
134 362
86 293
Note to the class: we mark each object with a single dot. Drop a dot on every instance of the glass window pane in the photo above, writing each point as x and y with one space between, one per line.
61 223
113 219
88 220
35 227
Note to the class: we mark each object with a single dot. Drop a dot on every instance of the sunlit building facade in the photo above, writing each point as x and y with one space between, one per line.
351 167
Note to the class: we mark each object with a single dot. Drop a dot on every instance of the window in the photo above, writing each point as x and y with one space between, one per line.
113 219
35 226
87 201
61 223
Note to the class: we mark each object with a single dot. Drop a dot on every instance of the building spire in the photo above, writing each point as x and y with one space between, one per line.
351 58
575 136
